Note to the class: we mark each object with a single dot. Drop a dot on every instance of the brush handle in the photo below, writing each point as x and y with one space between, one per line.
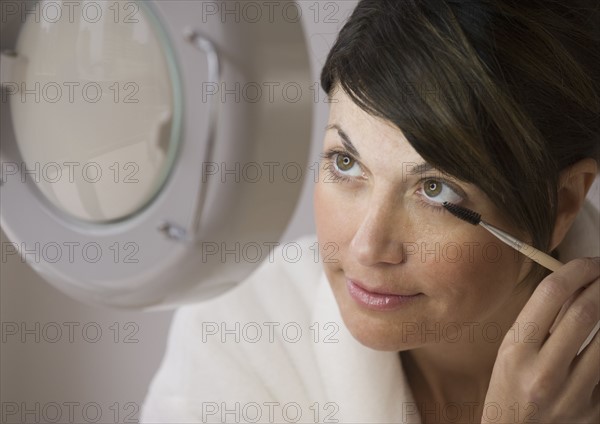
531 252
540 257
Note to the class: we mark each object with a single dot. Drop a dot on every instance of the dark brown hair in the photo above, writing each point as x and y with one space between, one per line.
499 93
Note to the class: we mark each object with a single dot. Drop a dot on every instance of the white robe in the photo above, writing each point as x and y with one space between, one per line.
293 360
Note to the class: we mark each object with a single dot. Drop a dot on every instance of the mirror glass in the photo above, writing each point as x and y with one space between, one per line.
96 106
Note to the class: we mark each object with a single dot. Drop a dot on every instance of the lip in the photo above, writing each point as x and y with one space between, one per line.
378 299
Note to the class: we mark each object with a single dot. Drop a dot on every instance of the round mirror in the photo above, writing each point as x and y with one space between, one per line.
119 189
103 93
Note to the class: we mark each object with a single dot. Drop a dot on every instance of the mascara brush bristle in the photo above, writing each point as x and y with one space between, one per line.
465 214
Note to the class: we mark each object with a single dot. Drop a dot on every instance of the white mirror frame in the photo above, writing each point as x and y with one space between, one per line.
165 256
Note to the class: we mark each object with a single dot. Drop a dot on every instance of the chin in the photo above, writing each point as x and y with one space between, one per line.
376 341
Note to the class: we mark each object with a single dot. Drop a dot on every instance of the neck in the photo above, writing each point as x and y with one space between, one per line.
450 381
451 375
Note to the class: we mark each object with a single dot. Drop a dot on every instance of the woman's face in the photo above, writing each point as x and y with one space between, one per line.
404 271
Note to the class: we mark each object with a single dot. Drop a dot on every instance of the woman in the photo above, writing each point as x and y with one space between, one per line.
492 105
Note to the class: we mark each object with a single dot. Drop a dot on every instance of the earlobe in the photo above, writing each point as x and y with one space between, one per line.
573 186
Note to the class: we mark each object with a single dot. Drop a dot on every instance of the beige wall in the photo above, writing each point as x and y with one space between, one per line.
86 367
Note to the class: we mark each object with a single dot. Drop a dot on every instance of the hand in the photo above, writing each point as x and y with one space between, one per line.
544 380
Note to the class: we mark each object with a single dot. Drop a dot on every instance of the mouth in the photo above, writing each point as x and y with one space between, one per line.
379 299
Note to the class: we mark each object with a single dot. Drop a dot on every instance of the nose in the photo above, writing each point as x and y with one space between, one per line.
379 237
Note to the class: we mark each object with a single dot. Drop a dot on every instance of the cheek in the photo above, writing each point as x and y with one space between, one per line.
335 227
468 273
333 218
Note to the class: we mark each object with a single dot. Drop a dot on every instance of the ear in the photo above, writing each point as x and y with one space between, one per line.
573 185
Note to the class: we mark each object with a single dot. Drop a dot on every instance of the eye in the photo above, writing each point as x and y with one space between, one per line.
346 165
440 192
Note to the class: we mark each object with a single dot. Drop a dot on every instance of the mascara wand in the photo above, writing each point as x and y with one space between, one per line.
531 252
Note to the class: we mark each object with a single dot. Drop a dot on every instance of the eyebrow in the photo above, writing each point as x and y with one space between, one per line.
412 168
421 168
345 139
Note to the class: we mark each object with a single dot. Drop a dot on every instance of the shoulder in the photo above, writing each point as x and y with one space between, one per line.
284 282
249 344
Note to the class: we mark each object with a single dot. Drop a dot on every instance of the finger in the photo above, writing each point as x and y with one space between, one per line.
564 308
573 329
589 340
585 373
554 290
595 403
